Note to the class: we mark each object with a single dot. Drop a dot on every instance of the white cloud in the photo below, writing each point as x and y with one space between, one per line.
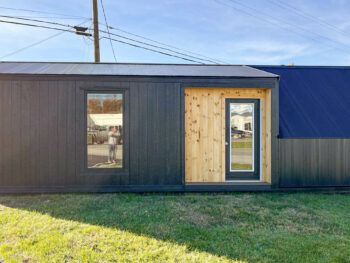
266 47
262 52
240 108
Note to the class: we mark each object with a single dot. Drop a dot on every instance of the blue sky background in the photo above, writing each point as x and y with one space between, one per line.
235 31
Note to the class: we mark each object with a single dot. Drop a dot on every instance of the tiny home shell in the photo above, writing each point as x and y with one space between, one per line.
85 127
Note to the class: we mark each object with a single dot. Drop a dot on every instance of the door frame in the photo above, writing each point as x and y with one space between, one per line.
255 173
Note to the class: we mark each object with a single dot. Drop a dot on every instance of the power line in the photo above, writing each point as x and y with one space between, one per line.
167 49
257 18
36 20
34 44
160 43
46 27
42 12
153 50
79 30
114 28
286 22
278 23
87 34
52 17
108 32
308 16
110 41
87 41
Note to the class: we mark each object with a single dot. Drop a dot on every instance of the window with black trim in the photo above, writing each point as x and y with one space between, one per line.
105 115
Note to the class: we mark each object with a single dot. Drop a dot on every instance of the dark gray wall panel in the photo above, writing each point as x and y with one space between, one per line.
173 133
314 162
135 123
42 161
5 131
142 134
15 128
53 132
42 133
70 177
155 133
34 132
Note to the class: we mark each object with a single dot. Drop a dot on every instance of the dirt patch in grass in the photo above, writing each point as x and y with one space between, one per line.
191 215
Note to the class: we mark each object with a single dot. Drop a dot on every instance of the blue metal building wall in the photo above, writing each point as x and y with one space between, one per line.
314 101
314 124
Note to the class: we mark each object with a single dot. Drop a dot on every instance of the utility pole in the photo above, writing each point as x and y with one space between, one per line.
96 31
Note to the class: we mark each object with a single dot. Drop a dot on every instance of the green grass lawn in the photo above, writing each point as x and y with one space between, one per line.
241 166
244 144
247 227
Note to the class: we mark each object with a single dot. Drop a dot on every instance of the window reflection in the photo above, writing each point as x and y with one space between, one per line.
241 136
105 130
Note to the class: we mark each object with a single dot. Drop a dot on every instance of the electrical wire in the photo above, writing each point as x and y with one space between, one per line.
32 45
110 41
88 41
278 24
52 17
39 26
163 44
308 16
109 33
290 24
257 18
35 44
36 20
155 46
42 12
123 42
153 50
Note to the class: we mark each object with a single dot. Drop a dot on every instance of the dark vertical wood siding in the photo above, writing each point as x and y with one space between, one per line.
155 134
15 134
314 162
42 161
42 133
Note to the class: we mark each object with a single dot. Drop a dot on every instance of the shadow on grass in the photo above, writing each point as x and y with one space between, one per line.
248 227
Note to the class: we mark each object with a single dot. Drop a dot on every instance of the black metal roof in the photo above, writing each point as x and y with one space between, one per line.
128 69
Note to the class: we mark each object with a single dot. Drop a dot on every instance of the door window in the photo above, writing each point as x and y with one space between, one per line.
242 139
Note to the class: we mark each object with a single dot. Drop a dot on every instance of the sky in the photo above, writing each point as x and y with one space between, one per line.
249 32
240 108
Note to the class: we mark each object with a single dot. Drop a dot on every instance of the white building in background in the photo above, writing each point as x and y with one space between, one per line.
242 116
105 120
242 122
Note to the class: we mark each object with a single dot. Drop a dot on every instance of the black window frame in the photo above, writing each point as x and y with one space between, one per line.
125 165
240 175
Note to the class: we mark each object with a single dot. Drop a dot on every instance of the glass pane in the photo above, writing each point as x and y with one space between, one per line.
105 130
242 136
